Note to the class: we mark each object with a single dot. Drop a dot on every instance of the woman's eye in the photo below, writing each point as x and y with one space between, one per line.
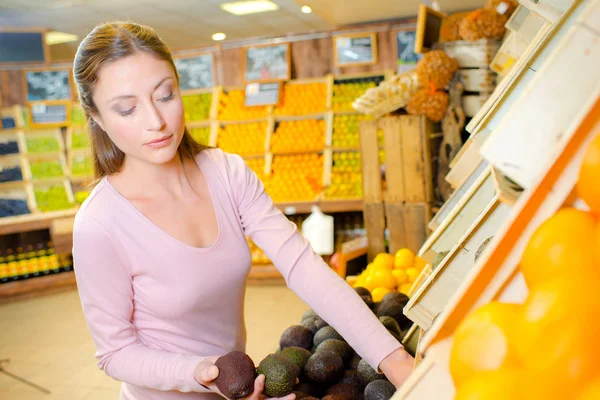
167 98
127 112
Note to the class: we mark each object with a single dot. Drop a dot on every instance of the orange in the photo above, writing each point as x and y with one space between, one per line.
592 391
378 294
405 288
563 245
589 176
369 283
483 341
552 302
503 384
420 263
412 274
382 278
401 276
384 260
404 258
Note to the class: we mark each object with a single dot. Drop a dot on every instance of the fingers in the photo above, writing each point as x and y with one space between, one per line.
207 375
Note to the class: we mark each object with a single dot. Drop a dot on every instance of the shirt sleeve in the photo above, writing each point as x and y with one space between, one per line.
106 294
304 271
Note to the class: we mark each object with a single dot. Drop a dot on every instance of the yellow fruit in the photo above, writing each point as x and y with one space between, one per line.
412 274
484 341
383 278
404 258
378 294
405 288
401 276
592 391
384 260
562 246
589 175
369 283
503 384
420 263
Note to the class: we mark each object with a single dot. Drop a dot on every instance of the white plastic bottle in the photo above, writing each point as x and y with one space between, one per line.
318 228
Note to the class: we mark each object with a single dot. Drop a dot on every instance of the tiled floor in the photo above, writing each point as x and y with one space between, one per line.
48 343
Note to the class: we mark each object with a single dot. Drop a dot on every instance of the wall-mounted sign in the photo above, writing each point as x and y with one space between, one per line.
195 72
355 49
267 63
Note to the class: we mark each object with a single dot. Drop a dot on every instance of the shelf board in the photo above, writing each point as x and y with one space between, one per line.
32 287
327 206
199 124
32 222
320 115
350 112
291 153
344 149
242 121
265 274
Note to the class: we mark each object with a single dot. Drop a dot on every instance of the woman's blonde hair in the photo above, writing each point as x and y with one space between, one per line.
107 43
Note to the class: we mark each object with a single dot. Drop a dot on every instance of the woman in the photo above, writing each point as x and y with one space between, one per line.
159 246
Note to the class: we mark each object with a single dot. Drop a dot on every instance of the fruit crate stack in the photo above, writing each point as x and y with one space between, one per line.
79 154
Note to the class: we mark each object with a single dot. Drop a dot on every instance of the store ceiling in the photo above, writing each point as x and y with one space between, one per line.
189 23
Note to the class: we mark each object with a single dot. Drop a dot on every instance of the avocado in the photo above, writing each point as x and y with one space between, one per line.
347 391
353 363
296 336
301 395
236 375
325 333
395 296
308 314
324 367
333 397
362 291
390 324
310 324
395 310
308 388
310 398
320 323
367 374
351 378
338 347
379 390
368 301
280 374
297 355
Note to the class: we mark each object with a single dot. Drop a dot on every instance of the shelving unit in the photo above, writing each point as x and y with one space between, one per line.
541 128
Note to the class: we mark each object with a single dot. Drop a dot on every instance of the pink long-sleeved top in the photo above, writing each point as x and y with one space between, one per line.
156 306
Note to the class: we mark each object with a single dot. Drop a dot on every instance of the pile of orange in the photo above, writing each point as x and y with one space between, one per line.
345 130
243 139
346 176
302 99
231 107
258 256
391 272
299 136
295 178
258 166
546 348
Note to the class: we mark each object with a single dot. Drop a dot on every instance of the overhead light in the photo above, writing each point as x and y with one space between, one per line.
54 37
249 7
306 9
219 36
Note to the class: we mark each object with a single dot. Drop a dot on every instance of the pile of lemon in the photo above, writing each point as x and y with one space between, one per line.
547 347
391 273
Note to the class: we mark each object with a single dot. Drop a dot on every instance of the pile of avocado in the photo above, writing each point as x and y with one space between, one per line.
315 362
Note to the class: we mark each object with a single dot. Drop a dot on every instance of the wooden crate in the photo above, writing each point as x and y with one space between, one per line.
476 54
60 158
407 224
40 133
13 161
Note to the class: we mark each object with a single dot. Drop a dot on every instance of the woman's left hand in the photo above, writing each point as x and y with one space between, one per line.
397 366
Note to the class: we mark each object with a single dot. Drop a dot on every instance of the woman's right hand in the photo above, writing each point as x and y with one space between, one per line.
206 372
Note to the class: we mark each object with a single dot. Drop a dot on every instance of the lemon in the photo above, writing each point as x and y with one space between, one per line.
412 274
378 294
382 278
404 258
420 263
401 276
405 288
384 260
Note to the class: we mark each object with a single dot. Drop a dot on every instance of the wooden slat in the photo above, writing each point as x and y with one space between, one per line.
396 222
416 217
414 160
35 287
392 130
375 226
370 162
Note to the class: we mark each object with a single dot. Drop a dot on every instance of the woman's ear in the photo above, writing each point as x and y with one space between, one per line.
97 120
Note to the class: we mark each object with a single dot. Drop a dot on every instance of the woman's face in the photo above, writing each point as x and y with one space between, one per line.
140 108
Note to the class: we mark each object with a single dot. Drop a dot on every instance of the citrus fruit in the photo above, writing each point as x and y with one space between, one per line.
369 283
360 281
404 258
401 276
483 341
420 263
592 391
589 176
563 245
378 294
382 278
412 274
384 260
502 384
552 302
405 288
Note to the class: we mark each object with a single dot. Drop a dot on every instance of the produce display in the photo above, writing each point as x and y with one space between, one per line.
295 178
389 273
243 139
80 139
258 256
449 31
21 265
197 106
46 169
483 24
346 91
8 147
346 176
345 130
52 199
302 99
201 135
545 348
258 166
81 195
436 69
299 136
11 207
432 104
11 174
82 166
8 123
231 107
78 116
42 144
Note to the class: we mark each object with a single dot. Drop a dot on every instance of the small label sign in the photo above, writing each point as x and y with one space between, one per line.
262 94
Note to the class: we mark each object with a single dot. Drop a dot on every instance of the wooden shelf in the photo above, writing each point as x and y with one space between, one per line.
320 115
37 286
32 222
265 274
292 153
327 206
